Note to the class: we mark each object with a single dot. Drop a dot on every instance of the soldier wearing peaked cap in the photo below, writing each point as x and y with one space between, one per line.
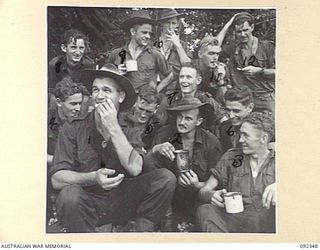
252 63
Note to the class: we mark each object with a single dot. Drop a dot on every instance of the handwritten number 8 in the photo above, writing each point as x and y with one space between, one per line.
237 162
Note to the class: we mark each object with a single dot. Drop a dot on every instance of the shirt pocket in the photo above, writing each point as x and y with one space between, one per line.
241 183
88 160
259 61
200 167
147 69
268 177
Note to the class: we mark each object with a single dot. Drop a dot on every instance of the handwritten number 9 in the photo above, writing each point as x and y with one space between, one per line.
122 55
237 162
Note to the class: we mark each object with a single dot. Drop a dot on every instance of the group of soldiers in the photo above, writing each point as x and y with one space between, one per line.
114 131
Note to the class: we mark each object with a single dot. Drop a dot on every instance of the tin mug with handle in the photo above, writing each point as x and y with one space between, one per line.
182 160
233 202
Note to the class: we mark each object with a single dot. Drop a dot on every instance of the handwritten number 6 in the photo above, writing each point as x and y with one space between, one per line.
230 132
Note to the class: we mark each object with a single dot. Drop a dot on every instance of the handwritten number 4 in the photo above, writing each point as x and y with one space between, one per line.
52 123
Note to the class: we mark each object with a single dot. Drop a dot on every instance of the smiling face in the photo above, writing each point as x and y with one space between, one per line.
71 106
189 80
74 51
237 111
107 88
244 32
252 139
188 120
210 55
143 110
141 34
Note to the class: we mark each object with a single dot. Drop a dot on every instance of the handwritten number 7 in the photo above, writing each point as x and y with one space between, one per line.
171 96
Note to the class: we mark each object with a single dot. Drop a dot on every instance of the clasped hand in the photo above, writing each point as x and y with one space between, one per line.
250 70
189 179
217 198
166 149
269 196
106 182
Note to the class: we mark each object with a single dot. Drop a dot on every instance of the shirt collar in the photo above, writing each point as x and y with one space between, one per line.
253 48
145 48
198 136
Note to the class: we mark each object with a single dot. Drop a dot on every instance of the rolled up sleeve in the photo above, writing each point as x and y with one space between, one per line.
65 153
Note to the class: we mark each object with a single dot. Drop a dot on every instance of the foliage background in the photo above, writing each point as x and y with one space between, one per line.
101 25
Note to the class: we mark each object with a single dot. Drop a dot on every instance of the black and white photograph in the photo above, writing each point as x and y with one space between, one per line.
161 120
